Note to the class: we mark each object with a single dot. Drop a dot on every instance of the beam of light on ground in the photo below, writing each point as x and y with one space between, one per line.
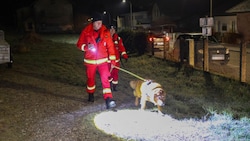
150 126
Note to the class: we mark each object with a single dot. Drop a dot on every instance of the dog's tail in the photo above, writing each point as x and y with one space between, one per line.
133 84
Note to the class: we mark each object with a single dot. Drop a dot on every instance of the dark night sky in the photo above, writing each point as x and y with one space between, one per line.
178 7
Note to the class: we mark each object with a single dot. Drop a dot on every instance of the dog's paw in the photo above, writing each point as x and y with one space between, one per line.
141 110
160 113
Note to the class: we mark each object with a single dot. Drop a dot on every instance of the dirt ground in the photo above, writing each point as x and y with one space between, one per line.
39 109
35 107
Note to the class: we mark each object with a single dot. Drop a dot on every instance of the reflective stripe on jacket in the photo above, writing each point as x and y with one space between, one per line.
98 61
119 47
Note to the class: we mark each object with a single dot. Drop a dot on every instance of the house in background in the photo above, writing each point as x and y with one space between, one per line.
160 20
228 22
242 11
161 16
150 19
225 28
187 19
47 16
140 21
53 15
225 24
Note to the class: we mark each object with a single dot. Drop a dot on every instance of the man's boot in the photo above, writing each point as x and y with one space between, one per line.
114 87
111 86
91 97
110 103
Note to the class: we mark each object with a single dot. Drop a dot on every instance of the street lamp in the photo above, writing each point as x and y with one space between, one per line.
131 13
211 8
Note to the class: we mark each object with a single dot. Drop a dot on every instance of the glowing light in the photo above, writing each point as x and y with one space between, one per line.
146 125
150 126
167 38
151 39
93 49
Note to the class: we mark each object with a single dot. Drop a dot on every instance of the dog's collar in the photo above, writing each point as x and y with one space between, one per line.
149 82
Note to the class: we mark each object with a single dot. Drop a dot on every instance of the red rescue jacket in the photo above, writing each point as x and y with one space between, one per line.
104 47
119 47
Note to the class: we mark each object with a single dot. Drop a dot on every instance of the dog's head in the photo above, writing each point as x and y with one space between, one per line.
156 92
159 96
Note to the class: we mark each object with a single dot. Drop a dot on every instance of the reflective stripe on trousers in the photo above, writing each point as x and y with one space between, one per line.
103 70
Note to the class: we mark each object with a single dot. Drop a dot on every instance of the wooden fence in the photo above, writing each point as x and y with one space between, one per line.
237 68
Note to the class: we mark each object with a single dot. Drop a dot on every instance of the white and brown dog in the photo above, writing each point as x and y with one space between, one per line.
148 91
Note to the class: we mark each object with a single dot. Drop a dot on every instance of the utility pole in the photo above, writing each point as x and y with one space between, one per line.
109 17
131 13
211 8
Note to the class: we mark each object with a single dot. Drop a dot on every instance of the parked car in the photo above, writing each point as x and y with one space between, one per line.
217 52
176 47
5 51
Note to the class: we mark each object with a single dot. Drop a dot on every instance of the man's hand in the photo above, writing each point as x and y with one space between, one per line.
110 79
113 63
125 56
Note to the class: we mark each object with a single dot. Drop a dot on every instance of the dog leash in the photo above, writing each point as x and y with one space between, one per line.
112 66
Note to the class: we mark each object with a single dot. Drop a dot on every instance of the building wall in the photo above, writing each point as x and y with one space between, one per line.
225 24
140 20
243 25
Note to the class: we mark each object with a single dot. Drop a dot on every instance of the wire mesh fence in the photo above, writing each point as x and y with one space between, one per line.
191 54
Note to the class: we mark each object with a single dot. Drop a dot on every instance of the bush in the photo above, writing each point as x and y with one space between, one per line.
134 42
127 37
140 42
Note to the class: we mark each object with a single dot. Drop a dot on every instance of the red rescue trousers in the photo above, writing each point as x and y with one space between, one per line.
114 73
103 70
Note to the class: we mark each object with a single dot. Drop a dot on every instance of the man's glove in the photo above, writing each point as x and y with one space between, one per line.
91 47
110 79
125 56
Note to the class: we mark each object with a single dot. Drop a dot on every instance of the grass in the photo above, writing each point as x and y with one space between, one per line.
190 93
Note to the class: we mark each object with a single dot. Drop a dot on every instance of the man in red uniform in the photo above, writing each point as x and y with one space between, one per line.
119 51
96 43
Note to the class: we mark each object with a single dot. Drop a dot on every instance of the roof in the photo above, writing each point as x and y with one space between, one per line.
240 8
